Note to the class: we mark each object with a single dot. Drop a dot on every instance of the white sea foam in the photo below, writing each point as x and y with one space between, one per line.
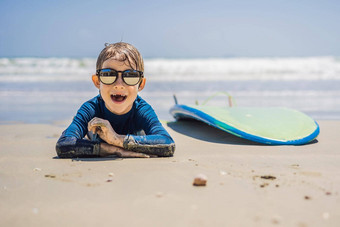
311 68
67 69
45 78
46 66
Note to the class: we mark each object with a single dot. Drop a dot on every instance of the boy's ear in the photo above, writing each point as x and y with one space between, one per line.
96 81
142 84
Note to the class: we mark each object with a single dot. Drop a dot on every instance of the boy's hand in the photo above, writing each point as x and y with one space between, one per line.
105 131
107 149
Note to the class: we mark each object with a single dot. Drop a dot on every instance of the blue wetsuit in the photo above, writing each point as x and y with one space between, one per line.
141 117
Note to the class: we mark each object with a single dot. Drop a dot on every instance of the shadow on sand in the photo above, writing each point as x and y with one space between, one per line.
94 159
202 131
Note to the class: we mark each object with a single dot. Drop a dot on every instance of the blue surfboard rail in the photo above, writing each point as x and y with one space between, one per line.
183 111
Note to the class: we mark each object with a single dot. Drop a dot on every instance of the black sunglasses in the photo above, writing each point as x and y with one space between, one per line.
109 76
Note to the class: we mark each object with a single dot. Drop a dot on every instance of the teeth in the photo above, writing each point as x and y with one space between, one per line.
118 98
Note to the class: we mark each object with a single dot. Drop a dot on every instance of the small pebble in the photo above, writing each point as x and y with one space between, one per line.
276 219
36 169
264 185
307 197
109 180
111 174
159 194
200 180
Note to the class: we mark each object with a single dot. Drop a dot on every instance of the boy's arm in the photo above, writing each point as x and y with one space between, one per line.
71 143
107 149
71 147
157 140
159 145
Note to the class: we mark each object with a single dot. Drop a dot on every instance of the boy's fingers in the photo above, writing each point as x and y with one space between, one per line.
93 120
144 156
92 128
97 121
130 154
95 127
99 126
96 130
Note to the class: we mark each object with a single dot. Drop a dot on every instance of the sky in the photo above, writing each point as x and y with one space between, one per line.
171 29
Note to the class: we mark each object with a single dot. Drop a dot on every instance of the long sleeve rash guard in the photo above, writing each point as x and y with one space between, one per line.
141 117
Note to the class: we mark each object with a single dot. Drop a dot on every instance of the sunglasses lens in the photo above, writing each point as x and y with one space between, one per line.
131 78
108 77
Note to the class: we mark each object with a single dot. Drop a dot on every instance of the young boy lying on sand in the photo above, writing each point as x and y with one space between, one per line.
126 124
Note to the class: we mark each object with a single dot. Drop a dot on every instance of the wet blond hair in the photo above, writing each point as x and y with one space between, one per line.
121 52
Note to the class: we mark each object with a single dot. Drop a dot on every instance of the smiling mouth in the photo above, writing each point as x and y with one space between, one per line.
118 98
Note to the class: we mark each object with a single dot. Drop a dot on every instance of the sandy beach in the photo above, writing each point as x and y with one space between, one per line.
248 184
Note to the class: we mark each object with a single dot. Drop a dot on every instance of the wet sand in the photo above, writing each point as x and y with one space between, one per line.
247 184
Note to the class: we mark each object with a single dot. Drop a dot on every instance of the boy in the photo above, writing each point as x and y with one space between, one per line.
117 114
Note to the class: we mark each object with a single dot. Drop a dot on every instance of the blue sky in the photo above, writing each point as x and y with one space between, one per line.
171 29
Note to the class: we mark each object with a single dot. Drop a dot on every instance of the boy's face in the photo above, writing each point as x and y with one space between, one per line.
118 97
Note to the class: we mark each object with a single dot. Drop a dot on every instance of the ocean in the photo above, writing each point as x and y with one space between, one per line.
47 90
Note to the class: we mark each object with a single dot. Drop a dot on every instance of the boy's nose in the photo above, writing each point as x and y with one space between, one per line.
119 84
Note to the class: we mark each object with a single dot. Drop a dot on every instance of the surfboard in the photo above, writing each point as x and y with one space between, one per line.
274 125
